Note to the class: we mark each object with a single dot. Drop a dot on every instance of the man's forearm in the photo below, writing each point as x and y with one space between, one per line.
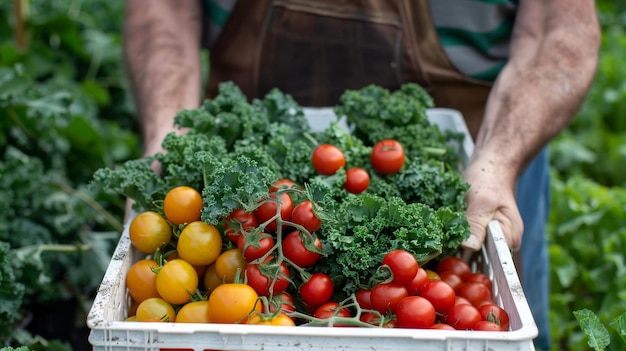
553 60
162 56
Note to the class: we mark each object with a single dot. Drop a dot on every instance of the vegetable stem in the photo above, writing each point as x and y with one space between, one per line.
113 222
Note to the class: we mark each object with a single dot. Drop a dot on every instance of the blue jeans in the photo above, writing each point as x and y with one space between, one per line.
533 199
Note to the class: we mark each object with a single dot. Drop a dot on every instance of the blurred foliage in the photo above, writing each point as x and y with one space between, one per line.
65 111
587 229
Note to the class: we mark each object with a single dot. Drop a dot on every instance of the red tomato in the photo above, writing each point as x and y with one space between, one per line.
475 293
357 180
415 312
387 156
461 300
295 251
268 210
303 215
478 277
327 159
238 221
385 296
463 317
282 184
455 265
285 300
496 314
440 294
487 326
402 264
332 309
255 248
364 298
378 320
451 278
273 285
182 204
317 290
442 326
418 281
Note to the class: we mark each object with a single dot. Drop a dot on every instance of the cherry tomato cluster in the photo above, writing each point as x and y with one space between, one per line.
459 299
236 272
387 157
256 267
415 297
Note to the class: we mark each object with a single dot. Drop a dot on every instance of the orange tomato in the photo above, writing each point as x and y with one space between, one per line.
182 204
194 312
211 280
229 264
232 303
141 280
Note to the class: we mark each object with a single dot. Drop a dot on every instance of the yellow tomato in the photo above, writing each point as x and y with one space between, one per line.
149 231
280 319
176 281
155 309
199 243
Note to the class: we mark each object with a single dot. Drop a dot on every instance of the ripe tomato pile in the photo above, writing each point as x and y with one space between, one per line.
257 267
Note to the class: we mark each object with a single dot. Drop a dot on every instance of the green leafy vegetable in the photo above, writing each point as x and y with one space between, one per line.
597 333
233 150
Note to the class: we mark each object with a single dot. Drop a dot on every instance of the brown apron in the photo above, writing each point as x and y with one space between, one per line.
315 50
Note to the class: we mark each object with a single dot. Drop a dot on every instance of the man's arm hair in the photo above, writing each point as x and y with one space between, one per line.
162 58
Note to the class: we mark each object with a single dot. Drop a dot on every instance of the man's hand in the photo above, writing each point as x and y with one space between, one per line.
491 197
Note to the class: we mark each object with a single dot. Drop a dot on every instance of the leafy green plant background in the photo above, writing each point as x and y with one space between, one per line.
65 111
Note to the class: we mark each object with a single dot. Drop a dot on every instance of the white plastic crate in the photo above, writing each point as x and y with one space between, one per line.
109 331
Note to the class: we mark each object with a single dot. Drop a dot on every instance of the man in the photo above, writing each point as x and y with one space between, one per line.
517 71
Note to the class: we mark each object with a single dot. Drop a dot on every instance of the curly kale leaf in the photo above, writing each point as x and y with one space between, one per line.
455 229
433 184
282 108
297 162
179 164
135 179
228 116
361 229
11 290
373 108
230 184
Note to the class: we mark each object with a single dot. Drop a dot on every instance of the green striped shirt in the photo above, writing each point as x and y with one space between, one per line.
475 34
